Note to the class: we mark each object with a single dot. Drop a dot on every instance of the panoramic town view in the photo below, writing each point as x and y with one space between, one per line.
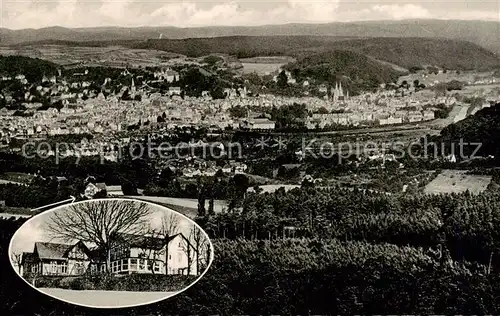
342 157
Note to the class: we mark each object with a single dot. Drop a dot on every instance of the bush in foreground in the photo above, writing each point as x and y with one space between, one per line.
132 282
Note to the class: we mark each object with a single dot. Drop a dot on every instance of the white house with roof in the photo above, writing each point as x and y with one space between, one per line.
257 123
129 254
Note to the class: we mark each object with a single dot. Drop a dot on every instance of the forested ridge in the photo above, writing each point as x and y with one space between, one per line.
32 68
361 72
482 127
405 52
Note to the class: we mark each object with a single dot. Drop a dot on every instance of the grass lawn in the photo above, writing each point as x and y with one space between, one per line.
456 181
106 299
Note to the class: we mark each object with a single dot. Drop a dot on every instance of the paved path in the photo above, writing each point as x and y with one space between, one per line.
219 205
106 299
462 114
8 215
3 181
270 188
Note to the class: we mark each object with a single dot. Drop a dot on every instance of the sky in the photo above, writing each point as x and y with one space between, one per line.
33 230
19 14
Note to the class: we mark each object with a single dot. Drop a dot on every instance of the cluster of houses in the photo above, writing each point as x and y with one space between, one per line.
90 112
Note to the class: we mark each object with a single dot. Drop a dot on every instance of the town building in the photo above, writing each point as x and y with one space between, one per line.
56 259
130 254
257 123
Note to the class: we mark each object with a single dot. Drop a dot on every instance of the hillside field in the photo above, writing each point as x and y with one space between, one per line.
457 181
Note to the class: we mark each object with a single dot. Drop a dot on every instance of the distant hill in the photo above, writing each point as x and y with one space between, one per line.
483 128
356 71
482 33
408 52
404 52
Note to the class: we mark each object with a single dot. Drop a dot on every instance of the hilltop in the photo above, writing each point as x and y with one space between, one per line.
356 71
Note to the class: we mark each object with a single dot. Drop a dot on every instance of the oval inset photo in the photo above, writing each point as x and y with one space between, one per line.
110 253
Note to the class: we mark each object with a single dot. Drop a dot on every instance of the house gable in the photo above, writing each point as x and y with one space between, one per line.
51 251
78 252
179 259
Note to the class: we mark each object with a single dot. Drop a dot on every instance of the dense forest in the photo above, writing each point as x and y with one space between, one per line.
482 128
308 250
373 254
356 72
32 68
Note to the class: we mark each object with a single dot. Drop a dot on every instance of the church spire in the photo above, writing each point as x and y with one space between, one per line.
132 85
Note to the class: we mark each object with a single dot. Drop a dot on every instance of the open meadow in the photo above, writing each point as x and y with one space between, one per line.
110 56
264 65
428 79
457 181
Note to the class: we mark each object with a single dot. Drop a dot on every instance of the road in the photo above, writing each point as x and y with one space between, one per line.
219 205
2 181
458 113
270 188
106 299
8 215
462 114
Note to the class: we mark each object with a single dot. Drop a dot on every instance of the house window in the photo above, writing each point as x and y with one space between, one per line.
141 264
62 268
169 257
125 265
116 266
157 266
180 244
133 264
53 267
150 265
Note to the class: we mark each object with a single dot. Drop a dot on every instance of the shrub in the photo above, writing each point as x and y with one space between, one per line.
148 282
81 283
65 283
46 281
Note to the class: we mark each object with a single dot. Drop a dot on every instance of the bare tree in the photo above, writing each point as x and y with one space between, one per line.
189 250
16 259
208 254
151 249
98 222
169 227
199 241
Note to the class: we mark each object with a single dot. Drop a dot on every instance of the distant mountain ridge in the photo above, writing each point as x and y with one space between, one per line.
483 33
